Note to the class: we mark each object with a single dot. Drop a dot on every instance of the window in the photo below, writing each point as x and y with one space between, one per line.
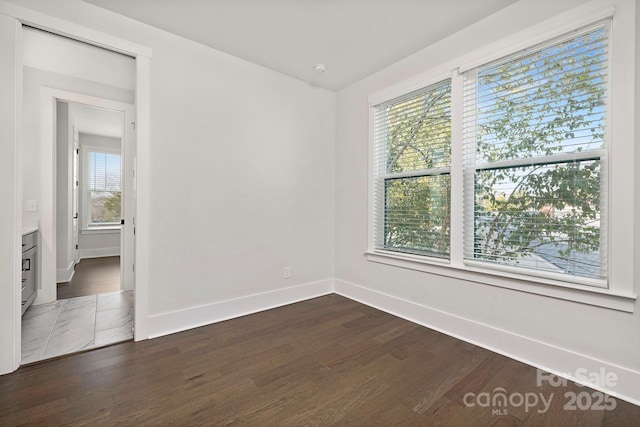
535 158
527 166
413 168
104 192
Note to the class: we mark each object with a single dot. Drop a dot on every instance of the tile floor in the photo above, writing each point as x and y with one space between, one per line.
70 325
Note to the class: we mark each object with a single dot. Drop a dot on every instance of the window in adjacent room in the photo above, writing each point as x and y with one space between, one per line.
104 190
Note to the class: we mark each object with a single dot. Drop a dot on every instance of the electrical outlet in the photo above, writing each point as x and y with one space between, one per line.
287 272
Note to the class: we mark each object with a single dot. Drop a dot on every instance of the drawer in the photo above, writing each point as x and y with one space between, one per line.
28 241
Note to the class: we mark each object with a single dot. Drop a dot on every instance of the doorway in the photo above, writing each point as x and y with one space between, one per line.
94 200
90 182
15 150
84 197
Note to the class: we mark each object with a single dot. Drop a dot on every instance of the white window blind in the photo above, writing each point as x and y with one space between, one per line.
104 188
535 159
412 168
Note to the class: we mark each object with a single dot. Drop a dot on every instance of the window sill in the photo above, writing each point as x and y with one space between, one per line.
552 288
111 229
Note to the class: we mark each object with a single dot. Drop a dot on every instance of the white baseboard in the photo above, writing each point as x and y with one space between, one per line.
99 252
538 354
181 320
64 275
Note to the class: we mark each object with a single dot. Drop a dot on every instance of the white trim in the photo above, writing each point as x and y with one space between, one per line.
551 274
74 31
11 190
103 229
551 28
64 275
371 187
541 160
622 148
456 217
98 149
142 209
193 317
444 170
535 285
538 354
99 252
423 80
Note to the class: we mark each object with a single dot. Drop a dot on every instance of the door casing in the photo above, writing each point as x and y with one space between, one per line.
47 229
13 17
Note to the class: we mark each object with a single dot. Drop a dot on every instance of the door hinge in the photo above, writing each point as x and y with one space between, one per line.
122 222
134 268
76 246
134 125
77 151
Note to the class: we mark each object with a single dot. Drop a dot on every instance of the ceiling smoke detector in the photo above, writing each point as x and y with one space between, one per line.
320 68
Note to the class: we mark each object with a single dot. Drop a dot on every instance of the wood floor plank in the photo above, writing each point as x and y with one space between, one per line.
92 276
326 361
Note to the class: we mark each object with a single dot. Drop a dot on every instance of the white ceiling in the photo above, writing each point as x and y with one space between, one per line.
354 38
97 121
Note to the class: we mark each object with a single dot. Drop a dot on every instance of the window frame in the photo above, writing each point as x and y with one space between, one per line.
600 155
87 226
382 176
620 293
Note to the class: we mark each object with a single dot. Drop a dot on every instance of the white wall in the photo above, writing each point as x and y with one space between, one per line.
100 141
64 175
96 245
242 175
242 178
59 55
589 333
10 223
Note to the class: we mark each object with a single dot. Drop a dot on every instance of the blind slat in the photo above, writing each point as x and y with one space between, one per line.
412 160
527 203
104 187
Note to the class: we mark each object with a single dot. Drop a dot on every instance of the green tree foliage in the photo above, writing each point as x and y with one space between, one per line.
113 207
542 104
545 103
418 208
106 207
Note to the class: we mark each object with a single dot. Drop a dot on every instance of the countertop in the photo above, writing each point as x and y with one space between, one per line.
27 230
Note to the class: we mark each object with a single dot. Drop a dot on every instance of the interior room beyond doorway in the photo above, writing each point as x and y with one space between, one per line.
92 276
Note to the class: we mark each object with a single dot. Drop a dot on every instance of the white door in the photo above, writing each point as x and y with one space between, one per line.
127 234
75 195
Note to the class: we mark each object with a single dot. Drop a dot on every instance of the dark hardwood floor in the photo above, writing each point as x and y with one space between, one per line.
93 276
326 361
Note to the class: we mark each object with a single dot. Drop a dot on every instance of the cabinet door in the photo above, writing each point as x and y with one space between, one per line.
28 285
